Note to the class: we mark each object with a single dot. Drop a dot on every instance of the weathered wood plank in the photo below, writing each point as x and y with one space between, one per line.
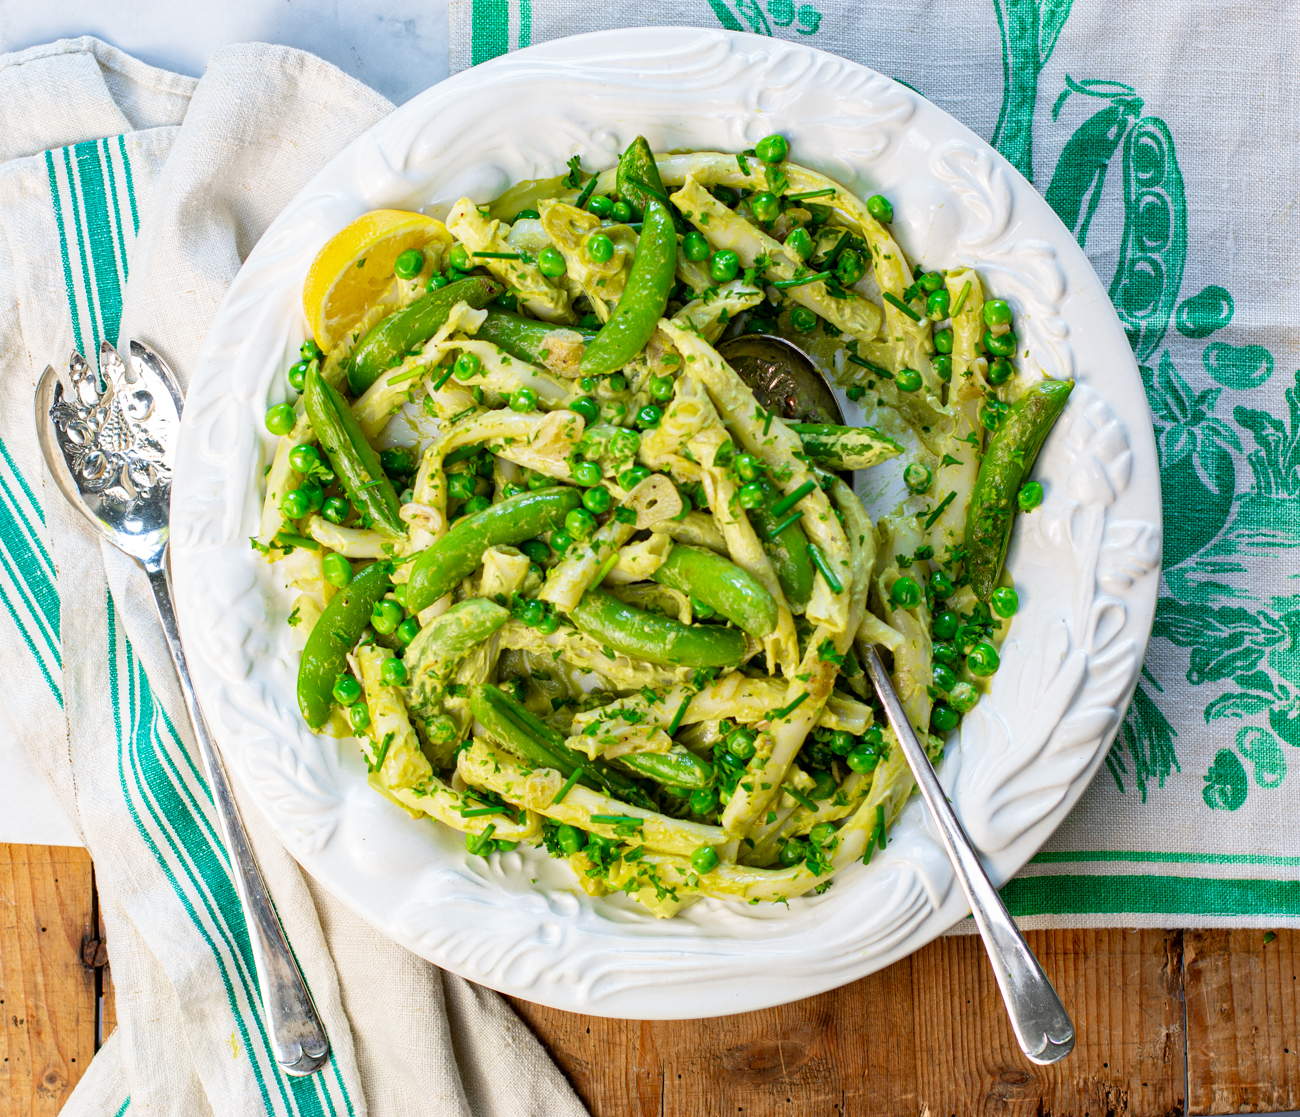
927 1035
1243 1051
46 994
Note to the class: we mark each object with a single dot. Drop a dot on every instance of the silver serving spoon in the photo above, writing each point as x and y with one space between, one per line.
787 382
111 453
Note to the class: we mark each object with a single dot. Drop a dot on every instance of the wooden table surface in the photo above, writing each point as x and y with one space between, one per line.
1167 1021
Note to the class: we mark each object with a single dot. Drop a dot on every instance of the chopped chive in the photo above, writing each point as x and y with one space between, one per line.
477 811
782 506
767 423
800 798
786 284
819 561
499 255
410 374
444 377
961 300
864 363
587 192
822 193
460 454
785 711
675 724
648 188
743 164
794 519
929 520
289 539
894 300
840 246
568 785
880 824
383 751
618 819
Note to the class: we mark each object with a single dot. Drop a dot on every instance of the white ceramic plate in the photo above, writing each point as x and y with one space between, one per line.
1084 563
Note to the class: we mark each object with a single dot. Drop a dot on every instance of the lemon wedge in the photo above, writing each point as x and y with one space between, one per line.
355 268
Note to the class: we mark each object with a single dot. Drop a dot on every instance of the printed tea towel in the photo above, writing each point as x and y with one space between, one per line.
128 198
1164 134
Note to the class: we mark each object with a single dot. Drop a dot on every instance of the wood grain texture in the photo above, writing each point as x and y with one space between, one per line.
1243 1051
46 994
927 1035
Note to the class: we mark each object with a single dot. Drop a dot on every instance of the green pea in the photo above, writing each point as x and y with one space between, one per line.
310 351
385 616
280 419
942 585
963 697
742 743
908 380
297 376
661 388
943 718
822 835
849 268
460 486
436 280
505 302
945 653
408 630
580 523
532 612
586 473
536 550
917 477
982 660
751 495
459 258
359 716
304 458
524 400
748 467
630 478
997 312
617 382
548 624
526 215
624 444
943 341
615 412
408 264
337 571
336 510
295 504
704 800
803 319
800 242
879 208
550 262
842 742
570 838
704 860
824 785
938 305
600 205
945 624
587 407
1000 370
906 592
765 206
1030 497
589 322
649 416
1005 601
393 673
400 461
621 211
942 364
346 690
467 366
477 503
1000 345
862 760
588 384
772 149
695 246
600 248
597 500
561 541
724 266
701 611
945 678
794 851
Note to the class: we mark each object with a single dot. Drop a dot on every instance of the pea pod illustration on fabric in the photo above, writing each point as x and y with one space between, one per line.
730 14
1029 30
1080 174
1198 475
1153 251
1226 782
1240 368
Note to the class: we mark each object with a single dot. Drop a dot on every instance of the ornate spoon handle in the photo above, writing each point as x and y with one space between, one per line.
300 1043
1042 1026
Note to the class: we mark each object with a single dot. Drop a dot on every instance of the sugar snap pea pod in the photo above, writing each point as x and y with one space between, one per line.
459 552
526 338
677 768
637 170
645 296
351 455
659 639
787 549
1153 250
835 447
722 585
325 655
517 730
1007 461
390 340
